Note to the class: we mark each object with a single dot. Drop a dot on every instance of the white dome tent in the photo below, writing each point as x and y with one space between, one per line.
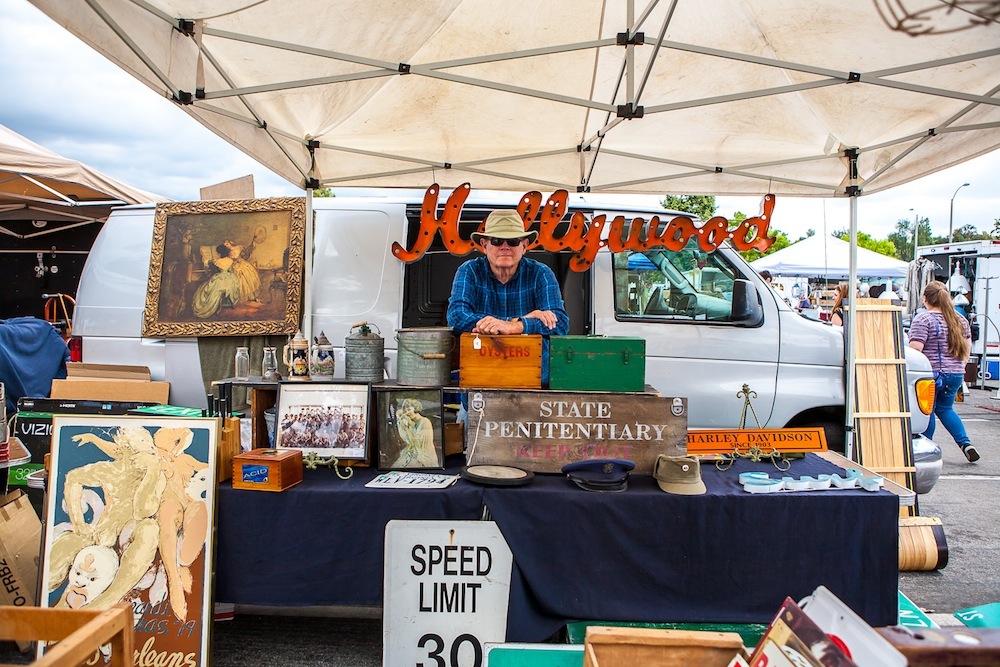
828 257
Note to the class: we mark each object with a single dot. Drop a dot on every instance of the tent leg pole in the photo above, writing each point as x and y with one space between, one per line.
307 283
854 191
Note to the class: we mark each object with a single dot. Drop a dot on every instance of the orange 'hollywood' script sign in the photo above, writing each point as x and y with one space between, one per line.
635 235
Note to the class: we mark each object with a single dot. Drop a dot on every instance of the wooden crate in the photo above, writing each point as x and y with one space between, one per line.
597 363
501 362
625 647
267 469
80 633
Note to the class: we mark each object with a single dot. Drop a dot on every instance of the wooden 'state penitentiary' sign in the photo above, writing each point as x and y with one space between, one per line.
542 431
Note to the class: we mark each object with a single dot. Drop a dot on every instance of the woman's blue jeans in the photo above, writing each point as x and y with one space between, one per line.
947 388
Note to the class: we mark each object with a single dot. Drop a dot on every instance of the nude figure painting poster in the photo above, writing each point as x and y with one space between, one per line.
226 268
410 430
130 515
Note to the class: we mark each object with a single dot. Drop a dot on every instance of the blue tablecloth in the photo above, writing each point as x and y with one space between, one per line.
641 555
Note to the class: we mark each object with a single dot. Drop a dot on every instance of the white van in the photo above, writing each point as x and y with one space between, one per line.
710 323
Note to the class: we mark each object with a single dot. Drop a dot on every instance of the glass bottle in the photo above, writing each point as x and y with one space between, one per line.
242 363
269 365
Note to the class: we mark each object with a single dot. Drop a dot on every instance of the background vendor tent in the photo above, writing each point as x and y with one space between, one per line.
50 210
828 257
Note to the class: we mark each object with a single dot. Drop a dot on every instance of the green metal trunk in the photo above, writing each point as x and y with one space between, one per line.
597 363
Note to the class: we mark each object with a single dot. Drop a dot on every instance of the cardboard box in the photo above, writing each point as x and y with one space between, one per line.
267 469
20 545
500 362
112 371
597 363
108 389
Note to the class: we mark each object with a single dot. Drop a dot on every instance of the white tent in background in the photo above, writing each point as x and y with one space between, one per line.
828 257
37 184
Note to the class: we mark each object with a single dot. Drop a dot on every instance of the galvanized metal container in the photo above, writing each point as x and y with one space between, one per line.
364 354
423 356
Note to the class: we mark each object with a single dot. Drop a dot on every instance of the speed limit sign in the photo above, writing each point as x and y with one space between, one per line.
447 585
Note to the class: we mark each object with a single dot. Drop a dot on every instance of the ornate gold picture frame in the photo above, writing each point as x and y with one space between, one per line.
226 268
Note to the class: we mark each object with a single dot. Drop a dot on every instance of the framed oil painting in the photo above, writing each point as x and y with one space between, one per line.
130 516
410 430
226 268
330 419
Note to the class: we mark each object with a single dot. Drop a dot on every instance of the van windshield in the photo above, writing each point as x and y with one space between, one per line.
687 284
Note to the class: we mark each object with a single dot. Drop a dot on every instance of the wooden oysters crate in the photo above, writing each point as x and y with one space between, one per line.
500 362
267 469
597 363
625 647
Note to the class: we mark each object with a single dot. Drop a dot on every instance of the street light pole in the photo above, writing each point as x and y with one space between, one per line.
951 212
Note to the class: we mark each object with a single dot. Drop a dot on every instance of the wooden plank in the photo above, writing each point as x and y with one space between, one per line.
80 633
882 415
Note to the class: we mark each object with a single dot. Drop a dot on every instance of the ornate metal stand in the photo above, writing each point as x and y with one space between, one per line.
312 460
754 453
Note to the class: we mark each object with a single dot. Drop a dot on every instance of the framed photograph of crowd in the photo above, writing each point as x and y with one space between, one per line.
329 419
130 520
410 430
226 268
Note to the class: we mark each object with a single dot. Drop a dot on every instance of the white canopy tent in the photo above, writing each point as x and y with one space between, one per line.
829 257
827 98
725 97
37 185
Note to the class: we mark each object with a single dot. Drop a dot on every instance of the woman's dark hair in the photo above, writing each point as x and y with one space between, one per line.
936 295
222 249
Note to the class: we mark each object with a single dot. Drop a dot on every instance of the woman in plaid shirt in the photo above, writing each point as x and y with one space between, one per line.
945 338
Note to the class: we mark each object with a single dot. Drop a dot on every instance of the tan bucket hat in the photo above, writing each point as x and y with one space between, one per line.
679 474
504 223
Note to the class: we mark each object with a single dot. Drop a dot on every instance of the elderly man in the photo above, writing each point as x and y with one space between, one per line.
506 292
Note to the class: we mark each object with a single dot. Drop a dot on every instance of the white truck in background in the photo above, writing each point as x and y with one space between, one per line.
705 337
974 265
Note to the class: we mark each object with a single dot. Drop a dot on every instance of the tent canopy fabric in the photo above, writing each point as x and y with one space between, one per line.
39 185
730 97
829 257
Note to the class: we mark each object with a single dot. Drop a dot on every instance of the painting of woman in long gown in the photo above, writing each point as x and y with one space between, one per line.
226 268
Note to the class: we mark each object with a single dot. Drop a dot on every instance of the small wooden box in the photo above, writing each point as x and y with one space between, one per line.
597 363
617 647
501 362
267 469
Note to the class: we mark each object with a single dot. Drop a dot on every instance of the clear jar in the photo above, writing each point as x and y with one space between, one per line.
242 363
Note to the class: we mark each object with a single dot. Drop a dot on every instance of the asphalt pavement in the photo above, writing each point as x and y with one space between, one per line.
967 501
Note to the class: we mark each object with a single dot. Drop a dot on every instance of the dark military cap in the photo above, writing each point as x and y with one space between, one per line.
606 475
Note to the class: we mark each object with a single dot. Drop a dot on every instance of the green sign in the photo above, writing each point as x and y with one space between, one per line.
983 616
911 616
18 475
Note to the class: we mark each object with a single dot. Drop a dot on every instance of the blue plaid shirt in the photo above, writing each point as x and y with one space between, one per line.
477 293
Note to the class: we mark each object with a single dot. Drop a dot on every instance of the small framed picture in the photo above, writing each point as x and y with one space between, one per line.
410 432
329 419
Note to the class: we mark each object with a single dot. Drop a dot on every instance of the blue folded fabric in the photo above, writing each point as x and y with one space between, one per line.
32 354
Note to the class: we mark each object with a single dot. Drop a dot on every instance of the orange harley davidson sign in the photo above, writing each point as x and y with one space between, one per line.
637 234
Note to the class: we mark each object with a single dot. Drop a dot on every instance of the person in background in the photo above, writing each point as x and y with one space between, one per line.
946 340
766 275
837 316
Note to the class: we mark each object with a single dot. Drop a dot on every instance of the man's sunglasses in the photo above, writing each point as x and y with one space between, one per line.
496 243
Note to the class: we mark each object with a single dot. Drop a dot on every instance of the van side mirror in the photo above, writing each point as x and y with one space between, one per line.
747 309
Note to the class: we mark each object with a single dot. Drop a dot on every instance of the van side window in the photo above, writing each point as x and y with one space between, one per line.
688 285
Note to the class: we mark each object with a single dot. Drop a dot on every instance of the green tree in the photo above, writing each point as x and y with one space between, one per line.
996 229
867 241
902 238
968 233
781 241
323 192
702 206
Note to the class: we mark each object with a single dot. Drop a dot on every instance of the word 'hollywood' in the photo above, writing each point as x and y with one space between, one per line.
584 241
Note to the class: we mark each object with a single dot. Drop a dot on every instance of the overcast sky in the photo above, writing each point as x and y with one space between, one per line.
61 94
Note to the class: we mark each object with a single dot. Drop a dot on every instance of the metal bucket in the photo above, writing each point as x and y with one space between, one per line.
423 356
364 355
